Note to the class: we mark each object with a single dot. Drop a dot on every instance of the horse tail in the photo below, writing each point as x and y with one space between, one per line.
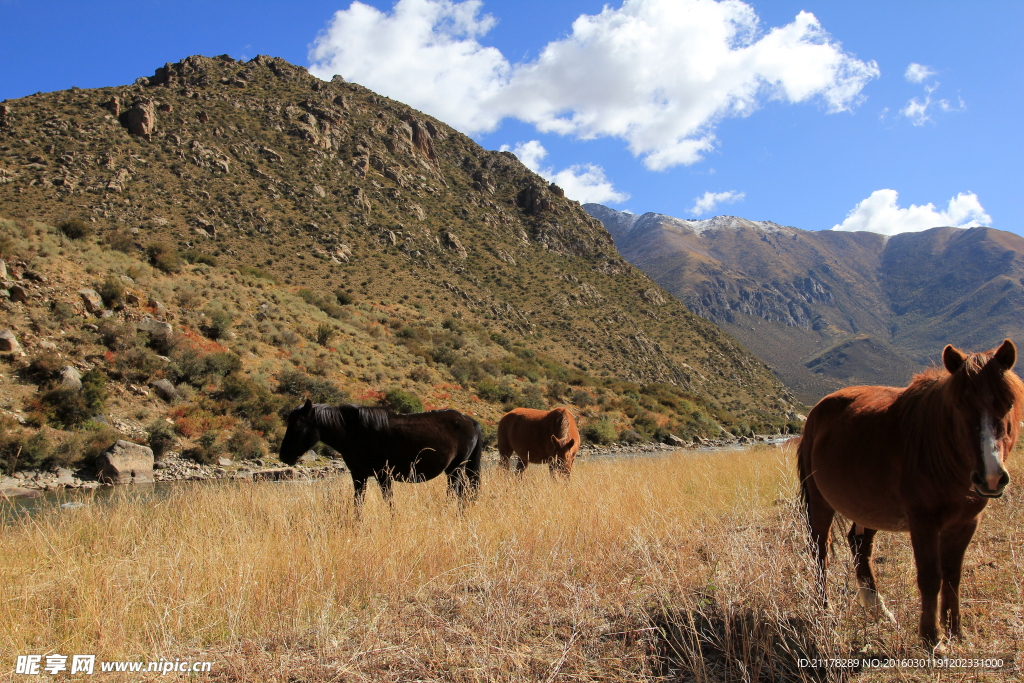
476 455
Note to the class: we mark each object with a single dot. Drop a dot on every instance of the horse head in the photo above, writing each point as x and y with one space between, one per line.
301 435
988 395
563 451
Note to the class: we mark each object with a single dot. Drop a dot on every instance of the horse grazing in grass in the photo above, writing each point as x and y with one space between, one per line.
539 436
924 459
390 447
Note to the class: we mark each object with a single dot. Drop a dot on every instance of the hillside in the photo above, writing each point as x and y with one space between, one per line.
310 238
829 309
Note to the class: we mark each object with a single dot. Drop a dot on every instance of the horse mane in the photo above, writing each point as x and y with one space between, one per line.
926 407
561 423
358 418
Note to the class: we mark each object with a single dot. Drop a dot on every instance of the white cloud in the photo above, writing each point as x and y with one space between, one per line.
918 73
917 110
710 200
583 182
880 213
658 74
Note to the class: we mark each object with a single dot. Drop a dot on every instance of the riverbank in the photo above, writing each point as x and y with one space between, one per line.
172 467
685 567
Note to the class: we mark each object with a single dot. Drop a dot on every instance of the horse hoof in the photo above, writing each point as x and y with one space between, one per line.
873 602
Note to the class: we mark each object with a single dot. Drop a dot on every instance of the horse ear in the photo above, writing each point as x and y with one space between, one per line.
306 408
952 358
1007 354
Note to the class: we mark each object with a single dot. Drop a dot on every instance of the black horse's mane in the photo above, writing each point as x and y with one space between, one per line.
350 416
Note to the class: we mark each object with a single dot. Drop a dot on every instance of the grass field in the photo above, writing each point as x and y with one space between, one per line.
687 567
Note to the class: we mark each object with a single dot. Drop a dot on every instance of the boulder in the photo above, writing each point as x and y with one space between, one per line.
308 456
70 378
674 440
276 474
8 342
125 463
142 119
155 328
224 462
18 492
18 294
3 270
92 300
113 105
165 390
451 241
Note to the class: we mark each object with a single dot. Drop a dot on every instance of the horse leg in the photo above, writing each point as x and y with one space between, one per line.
819 516
862 541
359 483
384 480
924 538
953 545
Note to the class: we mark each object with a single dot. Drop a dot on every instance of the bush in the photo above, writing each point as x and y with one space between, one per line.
601 432
219 325
61 311
556 390
137 363
316 389
161 436
402 401
75 228
69 408
245 444
205 451
631 436
112 290
164 257
343 297
120 240
324 333
46 366
494 392
533 397
582 398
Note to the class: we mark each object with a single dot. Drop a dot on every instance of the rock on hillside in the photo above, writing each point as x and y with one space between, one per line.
829 309
259 170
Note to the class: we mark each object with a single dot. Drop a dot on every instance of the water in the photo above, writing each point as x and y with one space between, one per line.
70 500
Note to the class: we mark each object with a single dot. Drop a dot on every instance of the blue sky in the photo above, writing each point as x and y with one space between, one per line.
689 108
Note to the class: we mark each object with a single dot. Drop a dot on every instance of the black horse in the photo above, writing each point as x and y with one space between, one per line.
379 443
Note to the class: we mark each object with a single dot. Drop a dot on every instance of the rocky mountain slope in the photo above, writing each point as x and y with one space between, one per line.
830 309
317 235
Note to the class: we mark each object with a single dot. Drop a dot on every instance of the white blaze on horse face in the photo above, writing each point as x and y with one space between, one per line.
991 454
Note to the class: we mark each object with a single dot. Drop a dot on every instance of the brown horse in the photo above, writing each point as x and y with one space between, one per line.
924 459
539 436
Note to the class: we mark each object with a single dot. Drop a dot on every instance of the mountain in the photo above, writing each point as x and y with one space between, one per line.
270 212
829 309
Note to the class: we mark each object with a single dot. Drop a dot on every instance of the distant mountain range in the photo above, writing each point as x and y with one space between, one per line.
830 309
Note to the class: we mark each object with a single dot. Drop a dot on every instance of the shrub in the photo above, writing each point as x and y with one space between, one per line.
556 390
116 336
246 444
421 373
69 408
324 333
161 436
194 256
533 397
601 432
45 366
120 240
503 392
220 323
112 290
249 398
318 390
343 297
582 398
164 257
137 363
205 450
402 401
75 228
631 436
795 427
61 311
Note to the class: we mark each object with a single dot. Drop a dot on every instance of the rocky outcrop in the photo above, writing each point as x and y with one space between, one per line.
125 463
8 342
92 300
70 378
451 240
142 118
533 199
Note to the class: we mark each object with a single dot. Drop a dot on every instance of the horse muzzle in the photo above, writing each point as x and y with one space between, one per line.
993 486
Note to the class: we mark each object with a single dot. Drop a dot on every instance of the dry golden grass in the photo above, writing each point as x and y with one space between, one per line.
687 567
